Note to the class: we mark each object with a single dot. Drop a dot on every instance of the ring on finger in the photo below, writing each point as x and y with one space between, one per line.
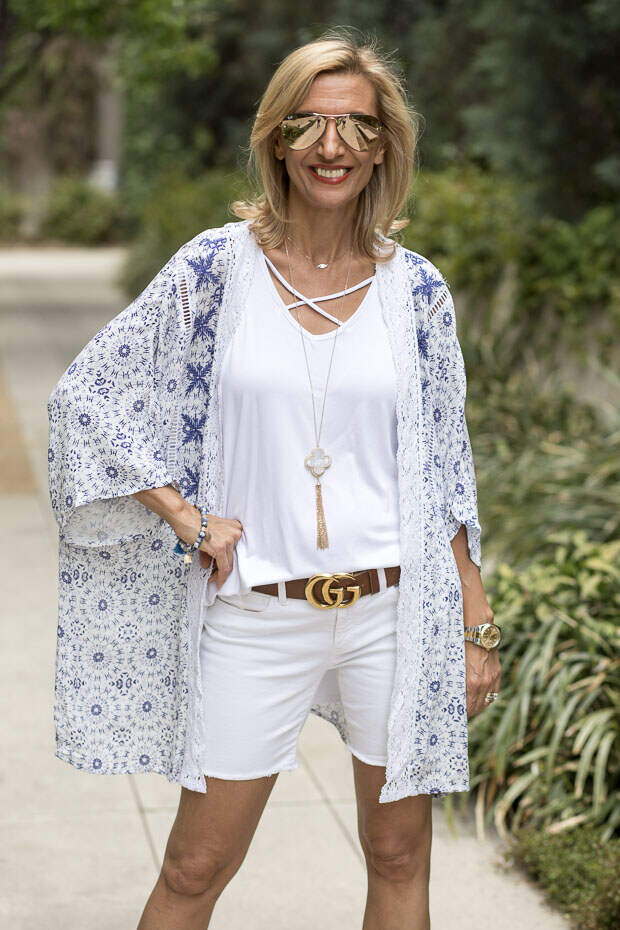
491 696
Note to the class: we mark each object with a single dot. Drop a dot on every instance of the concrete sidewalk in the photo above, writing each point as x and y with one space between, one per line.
82 852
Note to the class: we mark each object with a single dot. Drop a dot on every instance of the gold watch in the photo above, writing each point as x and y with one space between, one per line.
487 635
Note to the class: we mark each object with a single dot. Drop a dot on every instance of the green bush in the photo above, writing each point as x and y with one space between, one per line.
571 271
10 214
177 210
544 461
577 869
80 213
468 222
479 228
547 753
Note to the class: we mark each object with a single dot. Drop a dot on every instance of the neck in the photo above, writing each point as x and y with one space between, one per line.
322 234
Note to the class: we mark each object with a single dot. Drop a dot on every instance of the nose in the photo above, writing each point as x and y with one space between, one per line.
330 142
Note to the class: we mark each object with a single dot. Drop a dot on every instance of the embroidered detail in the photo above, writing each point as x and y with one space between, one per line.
187 316
439 302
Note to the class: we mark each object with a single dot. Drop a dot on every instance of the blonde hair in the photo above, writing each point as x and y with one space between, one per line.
385 195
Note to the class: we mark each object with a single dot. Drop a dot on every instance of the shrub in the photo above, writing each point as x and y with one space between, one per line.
569 273
546 753
577 869
10 214
544 462
80 213
468 222
479 228
177 210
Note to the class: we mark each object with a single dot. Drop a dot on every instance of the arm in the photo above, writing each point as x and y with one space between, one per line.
458 495
167 503
184 519
483 669
476 608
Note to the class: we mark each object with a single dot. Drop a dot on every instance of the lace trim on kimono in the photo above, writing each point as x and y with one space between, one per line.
211 483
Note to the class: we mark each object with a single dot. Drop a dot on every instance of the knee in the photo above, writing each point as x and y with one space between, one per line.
399 858
191 874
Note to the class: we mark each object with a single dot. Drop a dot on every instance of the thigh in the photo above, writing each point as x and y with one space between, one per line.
393 828
215 829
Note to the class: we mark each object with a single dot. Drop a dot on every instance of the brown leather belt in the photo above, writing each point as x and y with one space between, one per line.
319 591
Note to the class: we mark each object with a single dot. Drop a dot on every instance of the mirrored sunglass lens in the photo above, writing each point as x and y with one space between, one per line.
358 132
301 132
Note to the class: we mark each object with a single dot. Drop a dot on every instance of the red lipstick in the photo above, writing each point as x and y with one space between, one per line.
312 169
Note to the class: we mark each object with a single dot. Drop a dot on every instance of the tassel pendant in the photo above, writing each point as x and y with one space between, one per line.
317 463
321 527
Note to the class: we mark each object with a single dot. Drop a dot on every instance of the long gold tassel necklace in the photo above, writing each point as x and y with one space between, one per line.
317 462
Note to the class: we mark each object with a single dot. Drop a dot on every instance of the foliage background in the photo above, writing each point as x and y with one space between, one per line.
515 197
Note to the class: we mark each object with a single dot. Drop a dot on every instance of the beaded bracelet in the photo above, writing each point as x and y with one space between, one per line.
183 547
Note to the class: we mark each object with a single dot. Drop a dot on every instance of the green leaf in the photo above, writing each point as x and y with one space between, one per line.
583 768
586 724
599 791
558 734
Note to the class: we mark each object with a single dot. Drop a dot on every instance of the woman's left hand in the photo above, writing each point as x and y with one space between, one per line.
482 666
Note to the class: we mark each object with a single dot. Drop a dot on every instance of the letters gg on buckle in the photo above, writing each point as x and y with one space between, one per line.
327 580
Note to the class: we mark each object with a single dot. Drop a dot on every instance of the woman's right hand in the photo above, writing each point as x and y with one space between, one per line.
225 534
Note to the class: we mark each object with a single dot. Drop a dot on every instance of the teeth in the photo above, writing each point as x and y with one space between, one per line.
331 172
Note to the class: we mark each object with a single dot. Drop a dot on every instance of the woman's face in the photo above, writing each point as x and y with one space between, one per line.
331 94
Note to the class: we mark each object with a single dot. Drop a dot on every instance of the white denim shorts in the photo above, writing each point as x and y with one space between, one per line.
262 657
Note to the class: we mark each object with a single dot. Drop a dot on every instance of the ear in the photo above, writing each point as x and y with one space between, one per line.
379 154
278 148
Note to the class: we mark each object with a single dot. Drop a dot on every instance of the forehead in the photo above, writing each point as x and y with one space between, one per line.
340 93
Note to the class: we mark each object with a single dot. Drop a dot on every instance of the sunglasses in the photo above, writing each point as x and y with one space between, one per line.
358 130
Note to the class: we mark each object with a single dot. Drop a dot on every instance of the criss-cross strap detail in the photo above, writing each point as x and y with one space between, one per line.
311 300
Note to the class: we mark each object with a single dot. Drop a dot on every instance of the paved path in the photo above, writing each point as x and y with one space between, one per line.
82 852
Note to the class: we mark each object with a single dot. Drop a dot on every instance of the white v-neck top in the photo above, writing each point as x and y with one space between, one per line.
267 427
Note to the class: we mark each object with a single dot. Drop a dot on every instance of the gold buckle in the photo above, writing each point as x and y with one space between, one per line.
327 580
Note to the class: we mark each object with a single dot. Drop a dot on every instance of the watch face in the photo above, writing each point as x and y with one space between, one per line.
490 636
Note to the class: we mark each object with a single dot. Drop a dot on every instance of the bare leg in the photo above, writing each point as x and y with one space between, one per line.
208 842
396 841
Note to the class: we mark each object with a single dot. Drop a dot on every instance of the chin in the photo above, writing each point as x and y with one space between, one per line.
328 198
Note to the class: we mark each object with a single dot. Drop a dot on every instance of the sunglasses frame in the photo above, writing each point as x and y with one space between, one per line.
337 117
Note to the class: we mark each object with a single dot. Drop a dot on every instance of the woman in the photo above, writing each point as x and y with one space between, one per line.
286 398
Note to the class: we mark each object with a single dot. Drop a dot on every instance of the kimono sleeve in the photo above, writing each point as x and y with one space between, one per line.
105 436
452 442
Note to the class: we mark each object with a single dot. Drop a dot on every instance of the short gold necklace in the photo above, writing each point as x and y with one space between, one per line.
318 461
321 265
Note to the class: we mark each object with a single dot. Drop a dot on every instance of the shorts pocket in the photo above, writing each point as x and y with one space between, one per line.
252 600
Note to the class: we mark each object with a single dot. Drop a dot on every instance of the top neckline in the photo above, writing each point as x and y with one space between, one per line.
265 262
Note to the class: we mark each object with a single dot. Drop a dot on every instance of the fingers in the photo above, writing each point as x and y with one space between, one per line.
223 566
221 548
483 675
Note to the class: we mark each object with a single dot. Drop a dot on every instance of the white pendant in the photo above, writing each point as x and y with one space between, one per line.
317 462
322 265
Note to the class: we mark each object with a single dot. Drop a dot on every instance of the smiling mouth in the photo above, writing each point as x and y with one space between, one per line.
330 174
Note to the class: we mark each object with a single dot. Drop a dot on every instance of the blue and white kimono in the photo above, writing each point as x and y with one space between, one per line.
138 408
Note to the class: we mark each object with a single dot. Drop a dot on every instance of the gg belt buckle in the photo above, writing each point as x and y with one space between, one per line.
327 580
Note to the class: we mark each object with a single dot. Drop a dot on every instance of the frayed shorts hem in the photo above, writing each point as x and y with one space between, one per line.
244 777
365 758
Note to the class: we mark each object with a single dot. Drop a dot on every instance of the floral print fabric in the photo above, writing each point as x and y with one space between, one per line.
137 409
